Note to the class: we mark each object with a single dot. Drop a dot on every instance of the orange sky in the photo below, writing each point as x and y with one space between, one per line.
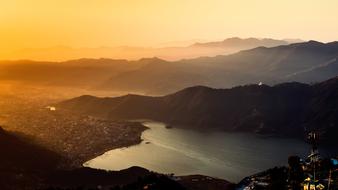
95 23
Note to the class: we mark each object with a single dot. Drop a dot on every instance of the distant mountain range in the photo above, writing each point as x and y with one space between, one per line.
171 53
242 44
306 62
75 73
303 62
284 109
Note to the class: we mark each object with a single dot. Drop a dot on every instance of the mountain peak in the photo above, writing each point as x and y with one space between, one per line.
314 42
198 88
151 60
192 92
232 39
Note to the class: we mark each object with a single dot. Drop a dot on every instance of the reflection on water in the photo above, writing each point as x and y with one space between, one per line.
230 156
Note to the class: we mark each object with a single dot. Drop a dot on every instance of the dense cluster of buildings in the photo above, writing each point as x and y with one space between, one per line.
78 137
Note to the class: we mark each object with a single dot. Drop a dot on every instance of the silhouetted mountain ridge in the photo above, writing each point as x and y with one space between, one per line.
305 62
283 109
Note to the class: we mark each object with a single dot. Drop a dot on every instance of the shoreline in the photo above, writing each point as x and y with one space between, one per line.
136 134
77 138
109 148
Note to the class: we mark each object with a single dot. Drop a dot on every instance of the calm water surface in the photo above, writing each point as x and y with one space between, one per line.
230 156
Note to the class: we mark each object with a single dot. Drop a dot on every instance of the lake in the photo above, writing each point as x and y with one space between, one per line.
230 156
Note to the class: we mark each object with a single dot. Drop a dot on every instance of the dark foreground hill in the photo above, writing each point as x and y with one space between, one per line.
284 109
22 164
27 166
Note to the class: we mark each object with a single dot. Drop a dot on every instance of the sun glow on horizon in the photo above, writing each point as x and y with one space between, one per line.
75 23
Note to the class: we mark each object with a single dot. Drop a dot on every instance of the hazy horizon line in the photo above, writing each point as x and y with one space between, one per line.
188 42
